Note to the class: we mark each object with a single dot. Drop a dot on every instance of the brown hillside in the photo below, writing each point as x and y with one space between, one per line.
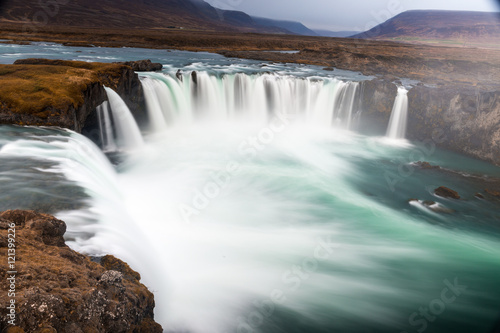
456 28
128 14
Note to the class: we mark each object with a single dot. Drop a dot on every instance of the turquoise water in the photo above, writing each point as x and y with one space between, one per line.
237 226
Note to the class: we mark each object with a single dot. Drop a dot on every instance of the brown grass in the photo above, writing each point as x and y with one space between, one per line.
41 89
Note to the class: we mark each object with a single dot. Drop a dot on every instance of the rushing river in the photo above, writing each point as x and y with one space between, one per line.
250 204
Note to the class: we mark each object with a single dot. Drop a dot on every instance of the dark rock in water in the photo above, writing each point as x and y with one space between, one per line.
426 165
446 193
493 193
178 75
142 65
194 77
331 69
479 195
433 206
60 290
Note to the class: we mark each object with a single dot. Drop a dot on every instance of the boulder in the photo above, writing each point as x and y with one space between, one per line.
60 290
446 193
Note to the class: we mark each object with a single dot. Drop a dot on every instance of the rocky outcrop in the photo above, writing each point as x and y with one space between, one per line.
468 118
60 290
457 117
43 92
143 65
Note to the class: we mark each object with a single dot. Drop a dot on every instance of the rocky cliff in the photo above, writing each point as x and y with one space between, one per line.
56 289
461 118
44 92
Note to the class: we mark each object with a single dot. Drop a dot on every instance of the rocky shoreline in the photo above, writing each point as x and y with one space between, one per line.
55 289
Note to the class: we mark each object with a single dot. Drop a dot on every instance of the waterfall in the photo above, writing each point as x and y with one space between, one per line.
155 96
397 123
127 132
172 99
106 127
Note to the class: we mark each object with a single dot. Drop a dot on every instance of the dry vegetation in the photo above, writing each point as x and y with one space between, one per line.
41 89
428 63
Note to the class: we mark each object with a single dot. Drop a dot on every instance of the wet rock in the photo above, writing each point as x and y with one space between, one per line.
433 206
60 290
331 69
194 77
479 196
426 165
143 65
178 75
446 193
493 193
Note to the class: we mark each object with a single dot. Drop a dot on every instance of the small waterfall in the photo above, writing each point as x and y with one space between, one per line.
257 98
127 132
106 127
397 123
154 95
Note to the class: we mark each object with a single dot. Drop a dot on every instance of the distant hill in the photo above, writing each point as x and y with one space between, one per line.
292 26
440 27
128 14
328 33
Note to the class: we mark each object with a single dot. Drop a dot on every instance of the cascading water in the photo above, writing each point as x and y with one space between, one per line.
276 224
399 114
106 127
256 97
127 132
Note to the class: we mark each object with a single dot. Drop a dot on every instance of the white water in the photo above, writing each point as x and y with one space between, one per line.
106 127
257 98
219 218
127 132
399 114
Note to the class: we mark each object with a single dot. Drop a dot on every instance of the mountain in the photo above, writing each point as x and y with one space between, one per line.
292 26
140 14
442 27
328 33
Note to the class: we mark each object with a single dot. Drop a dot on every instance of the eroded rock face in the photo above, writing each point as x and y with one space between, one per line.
457 117
143 65
60 290
76 93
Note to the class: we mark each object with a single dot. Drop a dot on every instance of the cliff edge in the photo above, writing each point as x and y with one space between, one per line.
47 287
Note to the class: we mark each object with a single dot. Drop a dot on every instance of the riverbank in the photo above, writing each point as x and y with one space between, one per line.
467 66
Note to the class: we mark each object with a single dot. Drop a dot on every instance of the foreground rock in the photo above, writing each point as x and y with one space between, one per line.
446 193
42 92
60 290
143 65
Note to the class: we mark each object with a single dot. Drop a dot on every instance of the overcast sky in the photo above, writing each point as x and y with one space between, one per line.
338 15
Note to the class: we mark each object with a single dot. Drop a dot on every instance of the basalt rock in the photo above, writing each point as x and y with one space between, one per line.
426 165
446 193
143 65
493 193
459 117
43 92
60 290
